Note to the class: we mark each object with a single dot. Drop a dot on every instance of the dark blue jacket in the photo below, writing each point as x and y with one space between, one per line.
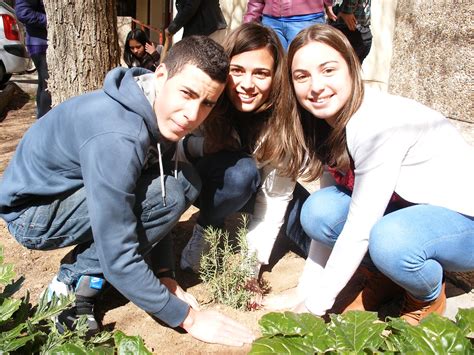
31 13
98 141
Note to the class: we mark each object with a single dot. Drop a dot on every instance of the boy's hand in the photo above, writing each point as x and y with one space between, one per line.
213 327
176 290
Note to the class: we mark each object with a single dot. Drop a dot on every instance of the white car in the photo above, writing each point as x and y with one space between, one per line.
13 55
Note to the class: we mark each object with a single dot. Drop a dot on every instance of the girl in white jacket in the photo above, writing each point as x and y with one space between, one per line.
242 150
393 160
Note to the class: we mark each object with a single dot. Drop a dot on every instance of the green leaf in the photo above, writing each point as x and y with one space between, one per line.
8 306
434 334
129 344
465 321
12 340
289 323
282 345
68 348
356 331
6 274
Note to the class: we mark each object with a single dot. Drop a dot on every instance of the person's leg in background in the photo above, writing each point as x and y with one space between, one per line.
413 245
43 96
294 27
279 27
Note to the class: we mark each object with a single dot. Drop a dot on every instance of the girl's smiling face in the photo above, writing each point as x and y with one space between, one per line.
250 79
321 79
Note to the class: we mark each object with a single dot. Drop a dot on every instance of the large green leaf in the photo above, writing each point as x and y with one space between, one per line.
289 323
465 321
68 348
8 306
434 335
130 345
6 274
12 340
356 331
282 345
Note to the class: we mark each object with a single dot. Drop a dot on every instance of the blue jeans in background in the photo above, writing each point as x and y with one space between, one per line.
63 221
411 245
287 30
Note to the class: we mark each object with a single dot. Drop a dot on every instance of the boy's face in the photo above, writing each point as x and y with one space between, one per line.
184 101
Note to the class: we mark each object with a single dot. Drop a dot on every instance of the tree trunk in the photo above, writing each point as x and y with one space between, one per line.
82 45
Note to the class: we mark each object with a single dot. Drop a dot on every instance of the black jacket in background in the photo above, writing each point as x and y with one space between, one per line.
198 17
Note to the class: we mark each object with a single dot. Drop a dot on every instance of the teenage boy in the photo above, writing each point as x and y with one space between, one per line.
93 172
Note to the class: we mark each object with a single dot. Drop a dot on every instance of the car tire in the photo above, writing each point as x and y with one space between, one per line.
4 77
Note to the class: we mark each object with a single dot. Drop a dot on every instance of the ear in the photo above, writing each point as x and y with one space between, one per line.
161 75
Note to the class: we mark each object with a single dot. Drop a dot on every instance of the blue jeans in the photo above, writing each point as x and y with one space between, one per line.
285 30
411 245
63 221
230 183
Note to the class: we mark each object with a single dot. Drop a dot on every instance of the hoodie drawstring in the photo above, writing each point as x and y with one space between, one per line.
162 175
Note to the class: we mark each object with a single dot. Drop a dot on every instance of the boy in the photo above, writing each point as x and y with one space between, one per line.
93 172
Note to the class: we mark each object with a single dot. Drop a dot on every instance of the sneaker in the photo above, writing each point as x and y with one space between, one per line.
191 255
86 291
413 310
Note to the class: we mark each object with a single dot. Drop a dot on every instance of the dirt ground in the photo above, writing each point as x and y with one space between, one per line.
114 311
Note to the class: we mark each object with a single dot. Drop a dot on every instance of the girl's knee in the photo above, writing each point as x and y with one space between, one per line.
388 243
244 175
324 213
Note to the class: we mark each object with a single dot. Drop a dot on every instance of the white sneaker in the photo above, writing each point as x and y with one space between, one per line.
191 255
58 288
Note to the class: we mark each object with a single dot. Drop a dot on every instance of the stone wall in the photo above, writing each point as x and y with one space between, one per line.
432 58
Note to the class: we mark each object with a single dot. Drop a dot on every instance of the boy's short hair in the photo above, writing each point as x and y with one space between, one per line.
202 52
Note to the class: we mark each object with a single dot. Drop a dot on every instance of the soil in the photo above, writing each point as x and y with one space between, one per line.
115 312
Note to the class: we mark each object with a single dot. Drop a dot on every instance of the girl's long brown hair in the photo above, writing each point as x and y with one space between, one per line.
272 126
324 144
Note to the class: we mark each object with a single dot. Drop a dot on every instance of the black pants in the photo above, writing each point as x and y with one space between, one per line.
360 39
43 97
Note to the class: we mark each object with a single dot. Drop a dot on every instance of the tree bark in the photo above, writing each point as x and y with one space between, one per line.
82 45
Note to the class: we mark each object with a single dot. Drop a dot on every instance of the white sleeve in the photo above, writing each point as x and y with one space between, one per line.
378 159
269 212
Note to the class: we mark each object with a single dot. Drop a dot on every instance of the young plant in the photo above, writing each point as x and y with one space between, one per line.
30 330
359 332
227 268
